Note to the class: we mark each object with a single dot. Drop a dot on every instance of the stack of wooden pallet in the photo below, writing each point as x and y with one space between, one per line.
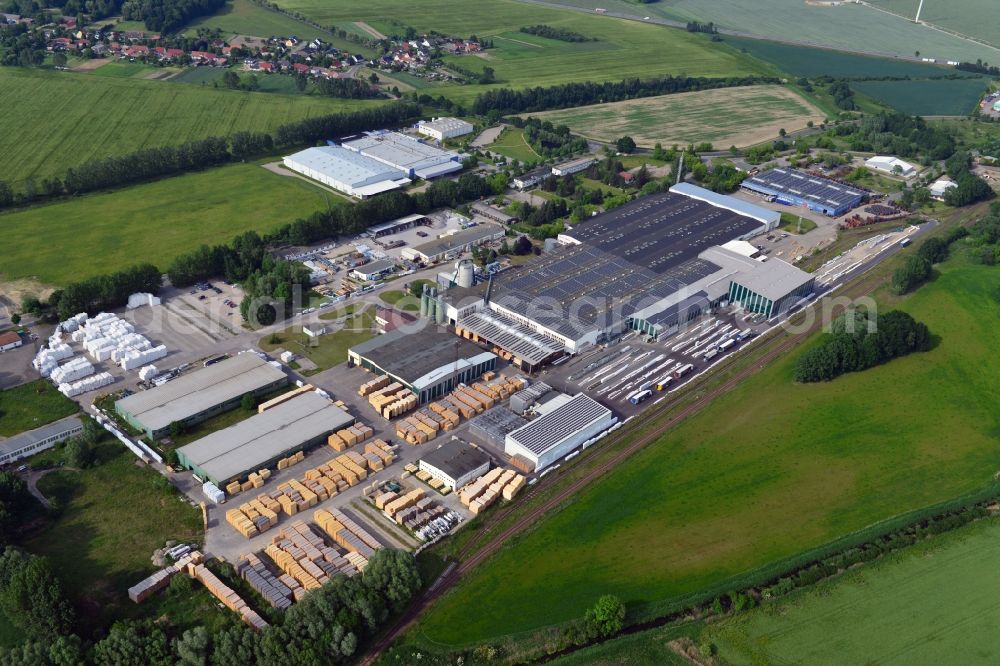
485 490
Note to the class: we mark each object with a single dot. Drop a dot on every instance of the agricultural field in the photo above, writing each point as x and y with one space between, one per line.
32 405
941 97
811 62
934 603
750 481
739 117
512 143
114 515
974 18
56 120
847 26
623 49
212 76
57 243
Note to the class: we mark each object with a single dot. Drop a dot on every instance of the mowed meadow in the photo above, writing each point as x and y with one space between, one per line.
100 233
623 48
769 470
55 120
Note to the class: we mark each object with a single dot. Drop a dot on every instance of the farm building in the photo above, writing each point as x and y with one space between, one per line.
531 178
407 154
197 396
34 441
643 266
346 171
797 188
262 439
396 226
455 464
444 128
565 423
890 165
375 270
428 362
492 213
10 340
572 166
454 244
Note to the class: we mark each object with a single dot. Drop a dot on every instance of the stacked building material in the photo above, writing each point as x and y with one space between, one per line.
47 360
447 413
86 384
407 431
72 370
484 491
258 515
147 372
379 455
419 514
226 595
284 397
160 579
483 399
291 460
384 397
403 502
375 384
253 570
402 402
468 402
347 534
306 558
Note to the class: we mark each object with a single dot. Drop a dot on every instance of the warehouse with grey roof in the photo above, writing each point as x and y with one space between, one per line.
565 423
199 395
455 464
262 439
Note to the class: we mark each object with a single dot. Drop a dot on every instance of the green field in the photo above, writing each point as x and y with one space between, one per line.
56 120
327 350
767 471
114 517
934 603
212 77
810 62
974 18
512 144
796 224
623 49
32 405
125 70
742 116
57 243
943 97
848 26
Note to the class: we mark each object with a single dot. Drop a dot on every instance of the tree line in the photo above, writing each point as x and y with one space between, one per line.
862 339
561 34
168 15
153 163
969 188
507 101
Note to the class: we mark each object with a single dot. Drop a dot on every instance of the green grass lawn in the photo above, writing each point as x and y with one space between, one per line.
32 405
55 120
933 603
328 350
623 49
114 516
512 144
124 70
57 243
945 97
767 471
410 303
796 224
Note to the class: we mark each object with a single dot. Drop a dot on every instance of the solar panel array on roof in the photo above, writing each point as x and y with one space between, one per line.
550 430
510 335
808 188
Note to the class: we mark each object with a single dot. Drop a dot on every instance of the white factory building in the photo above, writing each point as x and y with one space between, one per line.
405 153
888 164
444 128
564 424
346 171
34 441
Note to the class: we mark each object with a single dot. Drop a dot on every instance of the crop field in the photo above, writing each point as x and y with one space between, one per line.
725 117
623 49
974 18
57 243
934 603
32 405
941 97
848 26
56 120
767 471
114 517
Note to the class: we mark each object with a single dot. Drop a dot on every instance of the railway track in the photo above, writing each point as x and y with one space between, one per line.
469 557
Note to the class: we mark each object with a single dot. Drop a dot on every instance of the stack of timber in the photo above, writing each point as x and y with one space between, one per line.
291 460
392 400
284 397
419 514
258 515
373 385
379 455
252 569
305 558
254 480
394 506
343 439
486 490
359 543
226 595
149 586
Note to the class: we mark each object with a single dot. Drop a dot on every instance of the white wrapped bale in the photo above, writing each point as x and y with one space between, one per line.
148 372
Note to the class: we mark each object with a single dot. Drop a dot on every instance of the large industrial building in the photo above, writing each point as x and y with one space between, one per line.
564 424
797 188
346 171
262 439
890 165
405 153
651 265
453 244
428 362
444 128
200 395
35 441
455 464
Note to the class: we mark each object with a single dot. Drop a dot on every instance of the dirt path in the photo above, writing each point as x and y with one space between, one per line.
90 65
370 30
31 478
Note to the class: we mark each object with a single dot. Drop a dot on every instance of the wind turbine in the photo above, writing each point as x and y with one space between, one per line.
919 8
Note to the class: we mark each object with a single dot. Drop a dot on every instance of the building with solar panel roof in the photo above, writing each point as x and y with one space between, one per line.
798 188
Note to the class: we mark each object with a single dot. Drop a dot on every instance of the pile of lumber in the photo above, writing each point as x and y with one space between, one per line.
149 586
291 460
306 559
254 480
392 400
487 489
419 514
359 543
226 595
258 515
373 385
253 570
342 439
284 397
379 454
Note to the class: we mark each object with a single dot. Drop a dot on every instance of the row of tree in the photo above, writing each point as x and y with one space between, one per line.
562 34
105 291
861 339
508 101
918 267
168 15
